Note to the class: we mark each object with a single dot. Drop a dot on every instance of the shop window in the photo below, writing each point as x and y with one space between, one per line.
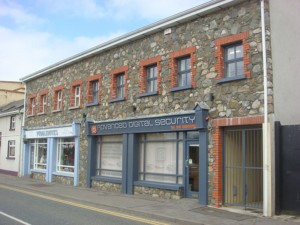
31 105
38 154
11 151
119 85
150 79
65 155
161 158
43 101
231 58
109 156
94 90
58 99
183 70
12 125
76 95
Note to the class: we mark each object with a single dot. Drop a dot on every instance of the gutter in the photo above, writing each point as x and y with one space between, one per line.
182 17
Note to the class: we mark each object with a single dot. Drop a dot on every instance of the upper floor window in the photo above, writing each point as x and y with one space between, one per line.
150 79
76 95
94 85
119 84
234 62
11 152
183 72
231 58
12 123
58 98
43 101
31 105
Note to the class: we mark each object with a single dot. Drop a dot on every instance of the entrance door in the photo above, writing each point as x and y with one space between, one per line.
243 174
192 170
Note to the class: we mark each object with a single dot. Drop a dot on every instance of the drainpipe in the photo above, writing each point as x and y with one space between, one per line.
22 155
266 161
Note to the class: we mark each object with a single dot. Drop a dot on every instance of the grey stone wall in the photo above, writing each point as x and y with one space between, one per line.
158 193
233 99
106 186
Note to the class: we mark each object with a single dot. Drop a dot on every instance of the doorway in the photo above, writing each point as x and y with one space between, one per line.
192 170
243 171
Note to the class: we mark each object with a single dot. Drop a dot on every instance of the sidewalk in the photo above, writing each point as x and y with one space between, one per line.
183 211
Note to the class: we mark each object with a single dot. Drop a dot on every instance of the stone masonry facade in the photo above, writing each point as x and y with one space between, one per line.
200 38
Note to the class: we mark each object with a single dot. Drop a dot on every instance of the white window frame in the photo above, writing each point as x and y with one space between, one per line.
12 122
60 166
44 103
77 96
39 163
59 100
11 146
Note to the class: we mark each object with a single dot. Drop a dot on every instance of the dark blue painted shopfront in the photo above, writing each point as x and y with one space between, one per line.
167 152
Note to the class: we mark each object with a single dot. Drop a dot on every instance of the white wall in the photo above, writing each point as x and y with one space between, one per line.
7 135
285 44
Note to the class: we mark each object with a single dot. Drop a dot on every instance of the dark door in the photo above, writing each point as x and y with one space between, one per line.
192 170
290 168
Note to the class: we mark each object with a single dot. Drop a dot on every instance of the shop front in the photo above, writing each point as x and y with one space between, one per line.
52 153
164 156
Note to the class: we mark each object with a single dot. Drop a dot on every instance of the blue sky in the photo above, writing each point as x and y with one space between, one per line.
37 33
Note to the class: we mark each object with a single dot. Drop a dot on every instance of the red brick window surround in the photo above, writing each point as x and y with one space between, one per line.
94 88
43 102
31 106
119 85
224 43
76 94
58 96
183 71
217 151
150 76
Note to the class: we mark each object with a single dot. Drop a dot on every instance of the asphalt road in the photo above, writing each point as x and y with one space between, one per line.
26 207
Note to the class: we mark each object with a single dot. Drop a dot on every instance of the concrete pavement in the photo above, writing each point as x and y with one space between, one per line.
183 211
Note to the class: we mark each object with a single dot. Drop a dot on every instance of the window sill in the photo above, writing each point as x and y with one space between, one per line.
76 107
65 174
12 129
116 100
30 115
230 79
147 94
181 88
107 179
92 104
152 184
56 111
38 171
42 113
10 158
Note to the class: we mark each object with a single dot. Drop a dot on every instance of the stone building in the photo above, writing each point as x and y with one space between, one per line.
172 110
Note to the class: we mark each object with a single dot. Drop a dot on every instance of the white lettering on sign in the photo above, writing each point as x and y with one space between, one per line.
181 120
57 132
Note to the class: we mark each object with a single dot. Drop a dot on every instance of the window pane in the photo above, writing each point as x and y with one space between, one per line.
112 138
65 156
230 53
95 90
111 156
239 51
161 136
230 70
160 178
240 68
180 155
161 157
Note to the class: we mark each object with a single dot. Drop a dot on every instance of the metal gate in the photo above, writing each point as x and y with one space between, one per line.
243 174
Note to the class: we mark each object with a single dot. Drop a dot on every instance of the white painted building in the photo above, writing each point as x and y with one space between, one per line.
11 117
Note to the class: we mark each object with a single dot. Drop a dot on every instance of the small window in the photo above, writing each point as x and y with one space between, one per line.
77 96
184 71
120 85
95 91
12 123
234 63
151 79
58 98
11 149
31 105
